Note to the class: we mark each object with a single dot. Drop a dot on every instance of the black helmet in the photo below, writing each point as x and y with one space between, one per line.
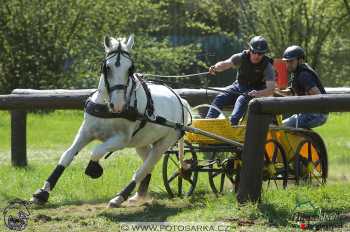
258 44
293 52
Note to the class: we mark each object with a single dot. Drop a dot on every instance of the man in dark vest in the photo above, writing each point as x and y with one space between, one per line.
255 78
305 81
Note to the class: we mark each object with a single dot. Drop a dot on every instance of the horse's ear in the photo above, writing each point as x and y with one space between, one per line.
130 42
107 42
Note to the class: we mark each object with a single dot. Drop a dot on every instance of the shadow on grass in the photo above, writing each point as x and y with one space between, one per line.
72 203
159 211
275 215
198 194
156 212
196 198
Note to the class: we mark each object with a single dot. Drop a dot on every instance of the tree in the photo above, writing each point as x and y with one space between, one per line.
314 25
58 44
41 42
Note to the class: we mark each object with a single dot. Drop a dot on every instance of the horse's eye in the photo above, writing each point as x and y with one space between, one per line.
108 69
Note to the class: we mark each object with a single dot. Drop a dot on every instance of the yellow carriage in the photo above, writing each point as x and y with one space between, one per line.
291 155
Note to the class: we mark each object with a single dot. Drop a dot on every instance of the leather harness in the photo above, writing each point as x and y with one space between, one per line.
130 112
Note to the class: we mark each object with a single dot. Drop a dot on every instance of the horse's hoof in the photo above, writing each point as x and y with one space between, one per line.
94 170
40 197
136 198
115 202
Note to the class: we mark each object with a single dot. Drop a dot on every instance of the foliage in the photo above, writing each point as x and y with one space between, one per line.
320 27
58 44
41 42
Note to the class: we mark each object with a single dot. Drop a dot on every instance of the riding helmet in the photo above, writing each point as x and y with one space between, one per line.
258 44
293 52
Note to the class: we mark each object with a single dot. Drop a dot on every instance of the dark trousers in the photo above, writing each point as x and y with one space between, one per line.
232 95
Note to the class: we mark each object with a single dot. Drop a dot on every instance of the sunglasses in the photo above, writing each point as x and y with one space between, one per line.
258 53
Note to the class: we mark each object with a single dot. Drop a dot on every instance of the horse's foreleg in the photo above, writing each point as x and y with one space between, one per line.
94 169
143 173
41 196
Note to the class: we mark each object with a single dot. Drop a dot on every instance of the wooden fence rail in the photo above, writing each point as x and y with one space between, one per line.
22 100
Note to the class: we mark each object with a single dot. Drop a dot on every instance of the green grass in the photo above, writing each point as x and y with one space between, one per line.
78 203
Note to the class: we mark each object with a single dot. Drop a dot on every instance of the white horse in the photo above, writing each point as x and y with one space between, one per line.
124 97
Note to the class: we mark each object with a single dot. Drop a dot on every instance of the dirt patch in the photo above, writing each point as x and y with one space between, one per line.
45 218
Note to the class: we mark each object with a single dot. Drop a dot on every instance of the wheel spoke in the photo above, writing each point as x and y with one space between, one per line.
189 181
317 178
231 180
216 174
267 160
179 185
174 162
317 162
268 184
222 182
275 154
309 151
302 160
175 174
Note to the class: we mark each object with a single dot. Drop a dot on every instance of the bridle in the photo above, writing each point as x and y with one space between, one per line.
119 52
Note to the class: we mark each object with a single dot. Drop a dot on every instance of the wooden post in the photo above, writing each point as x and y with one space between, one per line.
251 173
18 138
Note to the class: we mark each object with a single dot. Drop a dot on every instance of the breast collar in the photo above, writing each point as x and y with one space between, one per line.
130 112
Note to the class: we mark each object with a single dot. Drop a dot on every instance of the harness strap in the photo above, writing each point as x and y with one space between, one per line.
142 125
133 85
102 111
150 105
117 87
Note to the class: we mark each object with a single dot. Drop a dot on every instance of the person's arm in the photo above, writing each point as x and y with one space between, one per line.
268 91
270 82
284 92
314 91
310 84
220 66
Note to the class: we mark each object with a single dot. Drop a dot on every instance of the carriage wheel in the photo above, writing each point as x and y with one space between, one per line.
177 181
310 164
275 164
224 166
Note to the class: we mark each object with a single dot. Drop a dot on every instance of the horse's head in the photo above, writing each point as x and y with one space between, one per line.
116 69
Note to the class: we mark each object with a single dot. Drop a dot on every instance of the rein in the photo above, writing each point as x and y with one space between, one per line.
176 76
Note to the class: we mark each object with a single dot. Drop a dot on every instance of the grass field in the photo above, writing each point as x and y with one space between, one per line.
79 203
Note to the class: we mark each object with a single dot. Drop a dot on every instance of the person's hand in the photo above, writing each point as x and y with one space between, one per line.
254 93
283 92
212 70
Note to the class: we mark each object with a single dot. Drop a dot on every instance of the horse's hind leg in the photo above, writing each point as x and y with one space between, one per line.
41 196
153 157
143 187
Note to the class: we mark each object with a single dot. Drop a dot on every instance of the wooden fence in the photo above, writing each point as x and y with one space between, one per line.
22 100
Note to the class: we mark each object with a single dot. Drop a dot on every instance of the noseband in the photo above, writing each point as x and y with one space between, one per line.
104 71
